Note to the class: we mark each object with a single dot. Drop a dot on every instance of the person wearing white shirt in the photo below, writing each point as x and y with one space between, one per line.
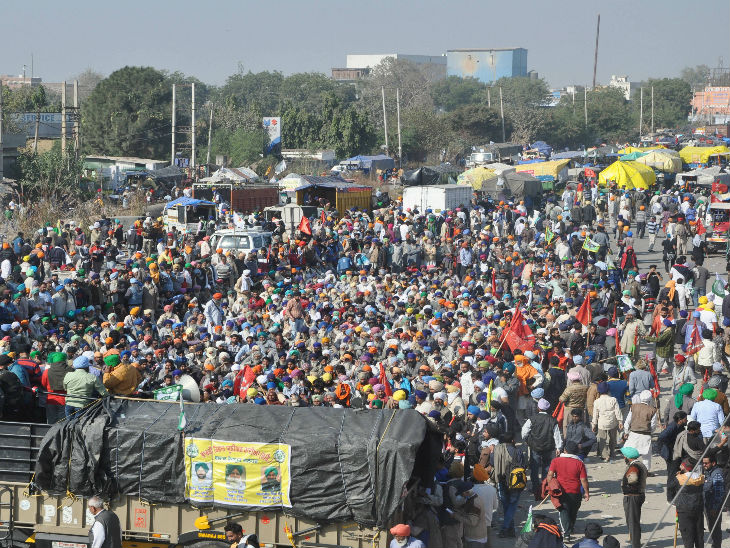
106 531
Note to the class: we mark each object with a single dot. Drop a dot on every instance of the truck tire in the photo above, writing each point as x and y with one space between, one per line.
207 544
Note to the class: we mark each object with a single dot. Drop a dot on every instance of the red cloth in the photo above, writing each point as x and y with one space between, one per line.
305 227
383 379
569 471
50 398
585 314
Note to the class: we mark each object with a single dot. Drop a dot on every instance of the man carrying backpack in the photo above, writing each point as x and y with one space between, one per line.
509 471
542 433
571 474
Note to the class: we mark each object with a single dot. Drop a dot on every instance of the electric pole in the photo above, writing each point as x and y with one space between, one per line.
585 105
641 111
192 132
397 104
489 96
2 154
77 125
37 127
385 122
172 162
63 119
210 132
595 55
501 110
652 109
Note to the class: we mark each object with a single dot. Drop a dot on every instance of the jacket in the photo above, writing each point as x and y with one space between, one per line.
82 383
123 379
664 343
606 413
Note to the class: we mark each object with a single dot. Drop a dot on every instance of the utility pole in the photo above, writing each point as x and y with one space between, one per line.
397 104
595 55
489 96
37 127
385 121
501 110
63 119
172 162
77 125
652 109
192 132
585 104
2 154
641 110
210 132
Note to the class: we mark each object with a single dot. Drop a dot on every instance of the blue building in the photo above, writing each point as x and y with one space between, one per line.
487 65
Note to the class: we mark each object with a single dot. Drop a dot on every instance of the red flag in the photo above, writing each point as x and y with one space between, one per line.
652 370
695 340
518 334
558 413
700 228
323 217
383 379
305 226
585 314
519 326
590 173
656 325
494 283
243 380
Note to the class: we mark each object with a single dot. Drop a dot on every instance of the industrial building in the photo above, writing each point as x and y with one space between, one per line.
360 65
711 104
624 84
487 65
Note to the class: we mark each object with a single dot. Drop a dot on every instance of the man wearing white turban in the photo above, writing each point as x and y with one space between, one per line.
639 424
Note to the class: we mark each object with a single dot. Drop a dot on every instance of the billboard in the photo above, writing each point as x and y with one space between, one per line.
49 124
487 65
272 127
237 473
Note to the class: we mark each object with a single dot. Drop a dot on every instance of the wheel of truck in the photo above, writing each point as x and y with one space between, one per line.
207 544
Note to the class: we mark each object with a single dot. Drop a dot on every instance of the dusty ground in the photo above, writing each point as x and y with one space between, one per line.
606 503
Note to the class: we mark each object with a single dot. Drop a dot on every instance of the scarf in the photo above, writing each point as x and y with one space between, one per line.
685 390
671 285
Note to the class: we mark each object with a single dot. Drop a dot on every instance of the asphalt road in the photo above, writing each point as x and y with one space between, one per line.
606 502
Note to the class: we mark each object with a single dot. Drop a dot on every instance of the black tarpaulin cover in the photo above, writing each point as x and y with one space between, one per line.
346 464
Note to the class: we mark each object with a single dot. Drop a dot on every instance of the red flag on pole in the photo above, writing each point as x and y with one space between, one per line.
656 325
494 283
700 228
305 227
652 370
383 379
585 314
695 340
518 334
323 217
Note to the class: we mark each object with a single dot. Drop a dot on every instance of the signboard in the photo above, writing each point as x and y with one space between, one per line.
237 473
168 393
272 127
49 124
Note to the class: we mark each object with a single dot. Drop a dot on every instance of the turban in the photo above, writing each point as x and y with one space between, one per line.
543 404
602 387
577 360
399 395
112 360
537 393
473 410
420 394
55 357
645 396
81 362
439 396
709 394
714 382
400 530
630 452
612 371
435 386
573 376
679 358
452 389
378 387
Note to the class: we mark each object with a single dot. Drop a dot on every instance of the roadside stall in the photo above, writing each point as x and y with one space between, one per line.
184 213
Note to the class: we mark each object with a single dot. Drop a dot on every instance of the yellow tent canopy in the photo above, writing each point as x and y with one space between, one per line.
628 175
701 155
538 169
629 150
475 177
664 160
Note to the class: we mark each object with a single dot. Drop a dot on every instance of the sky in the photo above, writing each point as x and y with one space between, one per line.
210 40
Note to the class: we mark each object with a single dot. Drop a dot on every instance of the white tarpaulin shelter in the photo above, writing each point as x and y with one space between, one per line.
232 175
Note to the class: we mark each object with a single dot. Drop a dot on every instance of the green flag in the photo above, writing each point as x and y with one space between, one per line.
549 236
718 286
527 527
590 245
168 393
182 421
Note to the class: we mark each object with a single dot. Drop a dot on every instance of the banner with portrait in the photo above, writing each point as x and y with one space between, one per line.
237 473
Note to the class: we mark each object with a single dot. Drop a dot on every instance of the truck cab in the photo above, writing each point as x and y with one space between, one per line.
236 239
184 214
719 225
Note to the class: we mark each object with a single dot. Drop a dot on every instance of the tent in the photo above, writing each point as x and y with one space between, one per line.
628 175
556 170
632 156
542 147
631 150
380 161
232 175
568 155
475 176
517 185
430 175
701 155
661 159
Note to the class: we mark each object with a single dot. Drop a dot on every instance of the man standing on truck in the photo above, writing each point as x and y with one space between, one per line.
106 531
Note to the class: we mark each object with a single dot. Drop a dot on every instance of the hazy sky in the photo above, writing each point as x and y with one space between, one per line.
640 38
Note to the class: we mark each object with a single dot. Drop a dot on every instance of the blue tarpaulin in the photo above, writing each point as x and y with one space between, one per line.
542 147
185 201
379 161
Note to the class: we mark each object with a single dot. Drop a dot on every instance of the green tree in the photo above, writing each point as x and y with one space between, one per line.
260 90
454 92
128 114
696 76
49 175
609 116
242 146
672 103
476 123
525 101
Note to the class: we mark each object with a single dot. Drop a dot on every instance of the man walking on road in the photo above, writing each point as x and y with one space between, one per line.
633 486
714 496
571 474
542 433
606 421
106 531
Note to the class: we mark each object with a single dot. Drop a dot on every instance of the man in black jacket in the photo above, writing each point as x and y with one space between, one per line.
690 504
11 391
542 433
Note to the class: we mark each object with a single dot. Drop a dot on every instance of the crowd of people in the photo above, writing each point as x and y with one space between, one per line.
515 329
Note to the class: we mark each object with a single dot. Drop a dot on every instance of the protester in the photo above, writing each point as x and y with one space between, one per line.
572 476
633 487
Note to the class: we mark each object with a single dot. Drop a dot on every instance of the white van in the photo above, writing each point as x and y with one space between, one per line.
236 239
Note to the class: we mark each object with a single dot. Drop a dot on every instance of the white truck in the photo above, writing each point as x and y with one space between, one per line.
437 197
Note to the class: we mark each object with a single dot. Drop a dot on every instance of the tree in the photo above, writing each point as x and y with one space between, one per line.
609 116
476 123
242 146
260 90
696 76
672 103
454 92
525 101
128 114
49 175
88 80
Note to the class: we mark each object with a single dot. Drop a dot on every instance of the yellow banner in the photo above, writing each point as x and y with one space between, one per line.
237 473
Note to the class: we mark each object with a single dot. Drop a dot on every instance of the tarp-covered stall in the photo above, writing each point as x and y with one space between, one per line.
700 156
508 185
430 175
628 175
661 159
557 170
322 464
